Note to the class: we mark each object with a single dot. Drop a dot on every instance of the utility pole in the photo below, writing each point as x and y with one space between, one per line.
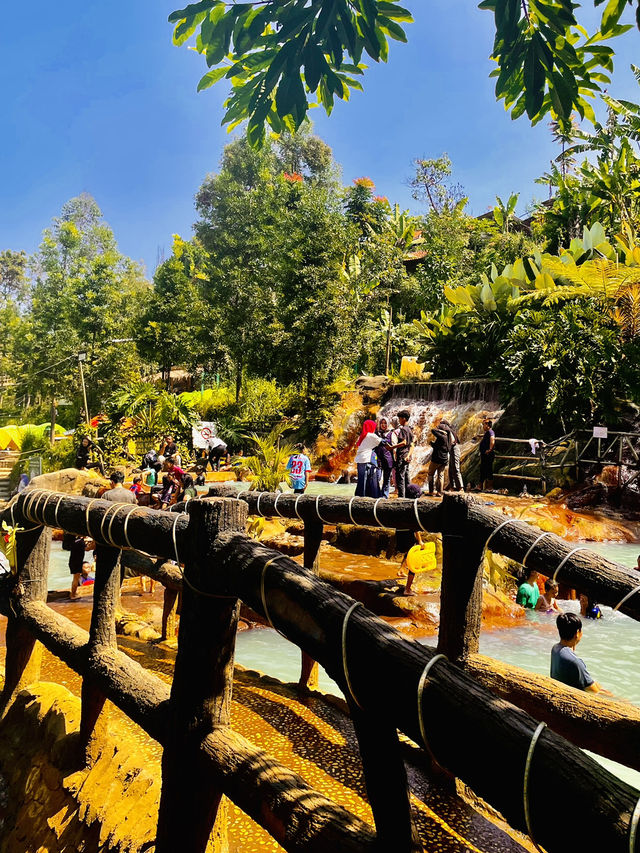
82 356
52 435
388 353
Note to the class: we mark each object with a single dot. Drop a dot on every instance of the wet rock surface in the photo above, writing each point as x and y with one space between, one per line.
54 804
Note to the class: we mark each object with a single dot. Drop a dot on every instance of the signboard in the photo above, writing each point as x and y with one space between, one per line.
203 433
600 432
35 466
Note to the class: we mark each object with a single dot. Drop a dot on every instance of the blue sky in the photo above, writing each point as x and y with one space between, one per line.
95 98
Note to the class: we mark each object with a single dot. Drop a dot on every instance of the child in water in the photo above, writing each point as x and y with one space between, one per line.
547 603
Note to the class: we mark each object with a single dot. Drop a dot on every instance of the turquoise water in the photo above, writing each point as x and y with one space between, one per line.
59 577
609 647
337 490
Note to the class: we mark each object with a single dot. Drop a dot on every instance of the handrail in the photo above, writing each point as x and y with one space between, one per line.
469 731
602 579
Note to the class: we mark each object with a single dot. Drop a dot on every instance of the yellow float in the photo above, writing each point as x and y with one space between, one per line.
422 558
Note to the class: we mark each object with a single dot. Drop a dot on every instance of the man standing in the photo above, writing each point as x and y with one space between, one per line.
440 447
403 452
118 494
487 455
298 467
106 555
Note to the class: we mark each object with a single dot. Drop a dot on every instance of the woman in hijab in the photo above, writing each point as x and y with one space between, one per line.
385 455
366 462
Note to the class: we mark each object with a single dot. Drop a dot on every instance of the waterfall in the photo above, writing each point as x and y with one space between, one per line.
457 391
464 403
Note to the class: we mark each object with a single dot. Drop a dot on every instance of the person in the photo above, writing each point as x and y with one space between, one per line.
82 456
487 455
384 452
368 484
23 482
201 477
547 602
107 555
217 450
168 447
175 472
589 608
88 575
402 449
118 493
440 447
528 592
75 545
149 459
456 483
188 488
136 486
168 490
566 666
298 467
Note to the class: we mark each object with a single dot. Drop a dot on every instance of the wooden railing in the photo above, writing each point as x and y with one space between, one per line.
390 682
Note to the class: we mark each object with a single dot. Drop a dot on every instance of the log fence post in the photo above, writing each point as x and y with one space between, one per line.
385 776
313 531
24 654
102 635
169 613
461 587
201 689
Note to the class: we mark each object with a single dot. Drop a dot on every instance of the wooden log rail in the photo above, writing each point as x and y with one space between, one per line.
390 682
116 525
576 566
190 721
481 739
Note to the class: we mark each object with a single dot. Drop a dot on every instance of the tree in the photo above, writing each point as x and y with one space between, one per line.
85 298
504 214
277 54
14 283
14 293
431 184
276 248
567 365
178 325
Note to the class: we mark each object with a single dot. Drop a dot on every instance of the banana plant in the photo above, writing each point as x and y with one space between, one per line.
432 326
594 244
402 228
504 214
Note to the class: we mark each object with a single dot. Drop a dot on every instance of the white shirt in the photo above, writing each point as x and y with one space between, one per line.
363 453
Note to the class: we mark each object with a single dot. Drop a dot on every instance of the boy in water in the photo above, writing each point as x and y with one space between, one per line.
528 592
566 666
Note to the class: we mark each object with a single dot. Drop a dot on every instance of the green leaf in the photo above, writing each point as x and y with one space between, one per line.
192 10
397 13
611 15
211 77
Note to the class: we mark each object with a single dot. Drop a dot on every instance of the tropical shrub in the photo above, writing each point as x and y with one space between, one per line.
267 464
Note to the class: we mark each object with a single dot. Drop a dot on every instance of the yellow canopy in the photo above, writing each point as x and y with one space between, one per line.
12 436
